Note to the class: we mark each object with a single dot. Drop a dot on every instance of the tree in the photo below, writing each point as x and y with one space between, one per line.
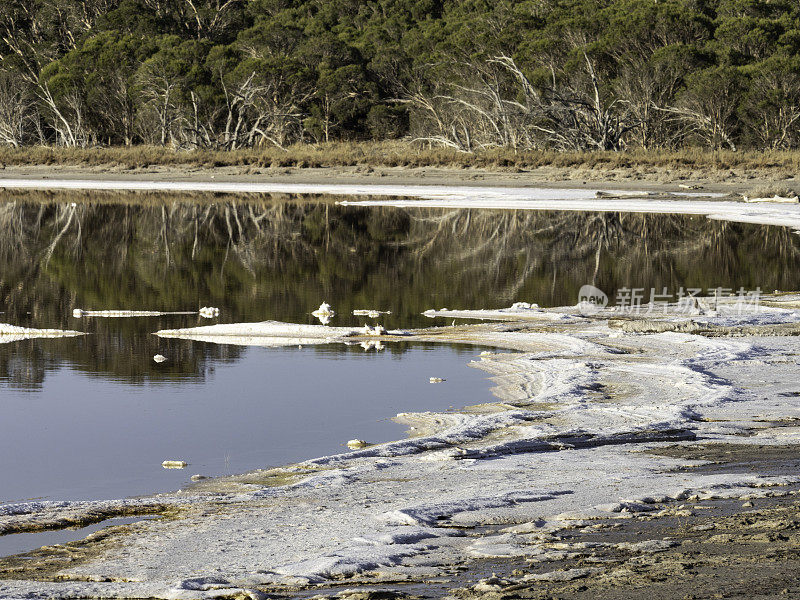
342 92
17 110
90 89
771 105
708 106
165 84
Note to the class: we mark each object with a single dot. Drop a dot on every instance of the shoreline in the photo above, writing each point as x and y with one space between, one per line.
661 179
668 200
461 489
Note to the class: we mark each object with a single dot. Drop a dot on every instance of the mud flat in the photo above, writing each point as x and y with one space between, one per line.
722 548
600 442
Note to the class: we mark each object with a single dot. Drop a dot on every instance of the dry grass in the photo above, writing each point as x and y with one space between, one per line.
770 191
401 154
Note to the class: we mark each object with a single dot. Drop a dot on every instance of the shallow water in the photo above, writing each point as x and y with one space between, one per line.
18 543
94 416
80 434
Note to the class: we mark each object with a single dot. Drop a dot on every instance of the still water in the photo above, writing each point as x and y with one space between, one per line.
94 416
85 434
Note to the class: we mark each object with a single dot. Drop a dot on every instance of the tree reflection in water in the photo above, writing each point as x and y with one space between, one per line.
278 257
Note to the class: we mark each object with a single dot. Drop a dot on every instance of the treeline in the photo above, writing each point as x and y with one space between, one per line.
465 74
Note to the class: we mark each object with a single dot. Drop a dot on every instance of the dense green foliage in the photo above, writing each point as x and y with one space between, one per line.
468 74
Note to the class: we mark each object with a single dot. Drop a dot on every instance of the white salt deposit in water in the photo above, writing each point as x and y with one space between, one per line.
10 332
268 331
324 313
374 330
324 309
373 314
121 313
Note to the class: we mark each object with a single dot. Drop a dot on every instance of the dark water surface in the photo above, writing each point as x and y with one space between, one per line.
94 416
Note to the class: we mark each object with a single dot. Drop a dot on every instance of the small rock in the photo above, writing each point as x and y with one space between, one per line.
198 477
324 313
324 309
174 464
208 312
377 330
492 584
747 504
356 444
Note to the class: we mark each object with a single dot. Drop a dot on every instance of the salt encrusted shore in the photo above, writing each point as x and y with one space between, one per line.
535 197
567 444
766 213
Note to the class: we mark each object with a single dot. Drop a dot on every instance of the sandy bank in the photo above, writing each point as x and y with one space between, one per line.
712 172
660 180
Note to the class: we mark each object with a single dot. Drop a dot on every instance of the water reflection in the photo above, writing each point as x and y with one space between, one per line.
22 365
119 351
261 259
